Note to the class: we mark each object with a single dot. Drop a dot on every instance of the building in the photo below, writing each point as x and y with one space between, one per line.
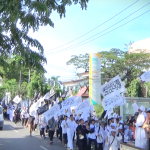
143 45
82 82
83 79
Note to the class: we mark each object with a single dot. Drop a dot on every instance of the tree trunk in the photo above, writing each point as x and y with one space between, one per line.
29 75
20 82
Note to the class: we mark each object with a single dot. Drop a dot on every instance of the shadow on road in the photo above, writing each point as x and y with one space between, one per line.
8 127
29 143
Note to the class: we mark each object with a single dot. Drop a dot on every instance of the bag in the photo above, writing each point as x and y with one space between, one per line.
81 136
50 126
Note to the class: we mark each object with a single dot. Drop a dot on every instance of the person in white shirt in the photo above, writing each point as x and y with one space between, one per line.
117 123
115 115
120 134
64 130
92 135
141 138
112 140
71 127
100 133
97 123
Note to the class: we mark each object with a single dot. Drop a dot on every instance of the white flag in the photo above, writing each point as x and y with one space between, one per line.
145 77
52 112
83 107
115 85
115 100
69 102
79 100
17 99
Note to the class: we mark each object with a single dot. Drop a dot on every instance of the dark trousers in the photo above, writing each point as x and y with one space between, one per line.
51 134
57 132
42 132
24 121
100 146
60 134
65 138
15 119
82 144
35 126
90 142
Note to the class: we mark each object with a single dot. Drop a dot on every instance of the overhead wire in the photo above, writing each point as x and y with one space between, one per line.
60 68
97 26
76 45
102 34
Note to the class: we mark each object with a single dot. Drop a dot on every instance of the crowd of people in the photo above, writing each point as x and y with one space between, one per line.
86 131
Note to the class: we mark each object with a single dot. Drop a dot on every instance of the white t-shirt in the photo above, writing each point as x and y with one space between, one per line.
64 126
92 135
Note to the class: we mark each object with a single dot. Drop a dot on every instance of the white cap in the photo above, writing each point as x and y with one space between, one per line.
113 124
142 108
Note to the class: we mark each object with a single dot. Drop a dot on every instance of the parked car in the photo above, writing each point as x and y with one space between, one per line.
1 118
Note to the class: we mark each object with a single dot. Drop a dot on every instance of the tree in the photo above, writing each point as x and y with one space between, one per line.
114 62
135 88
38 84
81 61
30 15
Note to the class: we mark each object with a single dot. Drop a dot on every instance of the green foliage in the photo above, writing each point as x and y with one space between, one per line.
30 15
135 89
81 61
24 89
98 109
114 62
38 84
2 92
9 86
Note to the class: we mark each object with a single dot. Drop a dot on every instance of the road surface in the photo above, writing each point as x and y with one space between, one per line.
17 138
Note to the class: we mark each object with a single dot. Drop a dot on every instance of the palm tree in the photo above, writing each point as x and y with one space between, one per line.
54 81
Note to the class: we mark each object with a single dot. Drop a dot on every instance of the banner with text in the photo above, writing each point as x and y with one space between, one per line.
83 107
113 101
52 112
69 102
115 85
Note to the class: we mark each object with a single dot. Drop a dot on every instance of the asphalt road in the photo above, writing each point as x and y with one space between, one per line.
17 138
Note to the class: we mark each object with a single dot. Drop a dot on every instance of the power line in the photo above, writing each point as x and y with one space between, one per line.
102 34
59 68
97 26
103 30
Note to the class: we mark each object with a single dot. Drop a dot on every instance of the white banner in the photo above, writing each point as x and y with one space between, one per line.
115 85
52 112
17 99
83 107
115 100
71 101
79 100
145 77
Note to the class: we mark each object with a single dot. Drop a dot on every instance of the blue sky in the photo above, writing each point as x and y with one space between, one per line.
77 22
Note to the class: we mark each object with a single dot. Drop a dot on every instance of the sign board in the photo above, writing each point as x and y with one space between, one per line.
95 78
